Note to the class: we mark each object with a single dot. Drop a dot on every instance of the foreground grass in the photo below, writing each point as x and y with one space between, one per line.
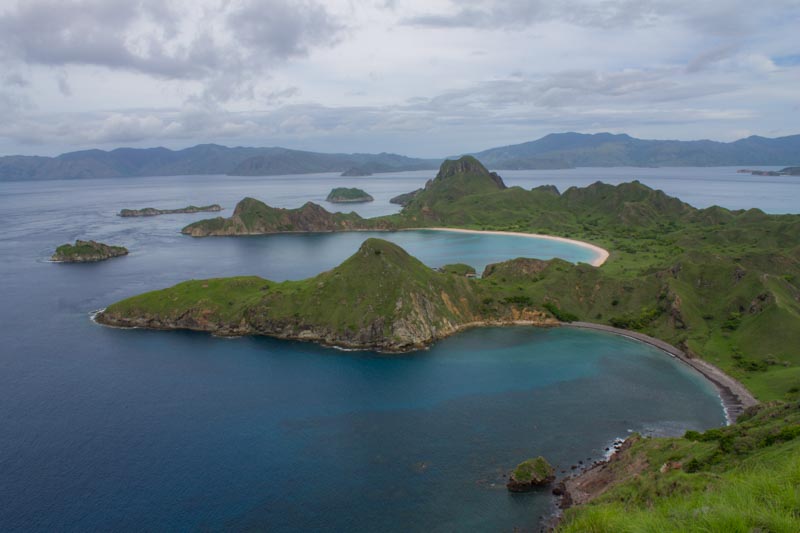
742 478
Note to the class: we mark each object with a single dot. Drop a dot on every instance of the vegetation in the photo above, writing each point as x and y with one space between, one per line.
87 252
740 478
536 470
345 195
459 269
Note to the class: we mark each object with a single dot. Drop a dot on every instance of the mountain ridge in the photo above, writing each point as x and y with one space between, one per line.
553 151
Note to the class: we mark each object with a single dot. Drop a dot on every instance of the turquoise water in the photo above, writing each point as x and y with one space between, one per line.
126 430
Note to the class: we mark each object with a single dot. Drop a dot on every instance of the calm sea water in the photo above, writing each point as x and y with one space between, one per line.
106 429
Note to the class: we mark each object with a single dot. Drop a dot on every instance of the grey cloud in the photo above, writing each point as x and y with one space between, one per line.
720 17
253 36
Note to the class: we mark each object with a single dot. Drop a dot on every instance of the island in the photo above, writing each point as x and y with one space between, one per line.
717 288
344 195
151 211
356 171
86 252
531 474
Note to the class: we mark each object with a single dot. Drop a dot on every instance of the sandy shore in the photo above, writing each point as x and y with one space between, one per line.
734 396
601 253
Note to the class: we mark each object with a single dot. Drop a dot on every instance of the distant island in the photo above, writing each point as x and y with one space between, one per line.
554 151
87 252
788 171
151 211
344 195
356 171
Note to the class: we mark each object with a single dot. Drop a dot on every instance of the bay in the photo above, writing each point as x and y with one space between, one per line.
105 429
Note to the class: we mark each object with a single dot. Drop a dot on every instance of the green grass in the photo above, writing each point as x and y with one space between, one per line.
741 478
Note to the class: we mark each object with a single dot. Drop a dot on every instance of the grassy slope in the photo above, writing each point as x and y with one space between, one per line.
741 478
380 292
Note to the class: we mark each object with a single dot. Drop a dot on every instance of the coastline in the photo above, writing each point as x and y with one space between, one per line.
734 396
601 253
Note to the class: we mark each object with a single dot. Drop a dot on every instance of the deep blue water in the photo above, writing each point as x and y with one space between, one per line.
106 429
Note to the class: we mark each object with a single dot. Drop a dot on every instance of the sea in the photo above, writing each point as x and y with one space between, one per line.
106 429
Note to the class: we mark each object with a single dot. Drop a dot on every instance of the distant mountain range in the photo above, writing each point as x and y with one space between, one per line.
200 159
566 150
558 150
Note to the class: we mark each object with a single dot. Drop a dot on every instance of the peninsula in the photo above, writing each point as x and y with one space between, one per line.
344 195
151 211
86 252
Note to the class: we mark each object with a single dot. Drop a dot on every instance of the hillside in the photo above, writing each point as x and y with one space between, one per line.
380 298
565 150
200 159
253 217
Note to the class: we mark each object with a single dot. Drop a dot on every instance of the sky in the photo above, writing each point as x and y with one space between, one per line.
425 78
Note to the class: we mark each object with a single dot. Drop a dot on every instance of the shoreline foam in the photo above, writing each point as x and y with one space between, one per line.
601 253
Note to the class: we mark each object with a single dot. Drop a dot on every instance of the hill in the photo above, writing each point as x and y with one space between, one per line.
380 298
200 159
564 150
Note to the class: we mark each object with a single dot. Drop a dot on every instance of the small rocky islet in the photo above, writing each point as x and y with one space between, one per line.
345 195
87 252
152 211
531 474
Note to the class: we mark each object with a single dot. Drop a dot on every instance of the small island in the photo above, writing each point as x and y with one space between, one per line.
356 172
343 195
87 252
531 474
152 211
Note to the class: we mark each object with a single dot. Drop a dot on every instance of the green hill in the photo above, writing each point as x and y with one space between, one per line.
380 298
253 217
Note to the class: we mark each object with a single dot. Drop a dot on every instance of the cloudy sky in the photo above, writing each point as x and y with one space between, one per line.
419 77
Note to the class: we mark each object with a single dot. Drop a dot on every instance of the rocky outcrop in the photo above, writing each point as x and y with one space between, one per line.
344 195
87 252
151 211
531 474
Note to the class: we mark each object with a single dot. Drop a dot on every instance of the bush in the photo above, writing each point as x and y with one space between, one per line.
563 316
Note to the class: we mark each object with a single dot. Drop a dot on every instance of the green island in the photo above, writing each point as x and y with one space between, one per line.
722 287
530 474
344 195
152 211
86 252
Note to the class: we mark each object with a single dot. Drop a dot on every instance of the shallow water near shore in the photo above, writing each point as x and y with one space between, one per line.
126 430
